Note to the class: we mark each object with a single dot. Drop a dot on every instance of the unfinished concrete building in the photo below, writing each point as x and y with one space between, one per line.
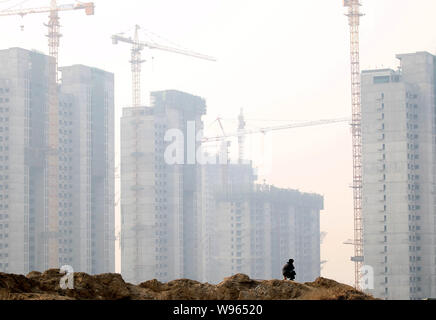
224 219
255 229
286 225
159 199
203 221
85 238
87 133
23 88
399 177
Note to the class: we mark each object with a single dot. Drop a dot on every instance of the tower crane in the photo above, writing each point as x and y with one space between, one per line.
224 144
136 60
53 25
49 237
243 132
353 14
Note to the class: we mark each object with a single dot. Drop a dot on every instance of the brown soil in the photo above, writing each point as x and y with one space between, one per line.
46 286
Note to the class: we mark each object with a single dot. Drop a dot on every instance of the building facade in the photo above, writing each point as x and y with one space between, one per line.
399 176
255 229
25 226
159 191
185 218
24 88
87 134
224 220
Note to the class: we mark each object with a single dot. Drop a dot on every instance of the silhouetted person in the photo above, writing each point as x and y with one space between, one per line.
289 270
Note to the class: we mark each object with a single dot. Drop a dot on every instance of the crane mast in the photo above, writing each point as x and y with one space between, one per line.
354 15
241 137
54 35
136 68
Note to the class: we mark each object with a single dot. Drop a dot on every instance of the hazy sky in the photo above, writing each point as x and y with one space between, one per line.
278 59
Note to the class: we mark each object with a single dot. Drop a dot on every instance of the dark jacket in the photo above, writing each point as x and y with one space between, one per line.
289 270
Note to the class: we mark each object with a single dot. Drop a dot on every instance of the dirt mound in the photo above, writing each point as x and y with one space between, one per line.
46 286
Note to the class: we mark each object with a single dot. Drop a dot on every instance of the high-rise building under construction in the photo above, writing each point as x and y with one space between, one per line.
255 229
183 218
89 135
399 178
158 198
85 220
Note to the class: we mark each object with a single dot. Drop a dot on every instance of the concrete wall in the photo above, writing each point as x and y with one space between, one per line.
24 98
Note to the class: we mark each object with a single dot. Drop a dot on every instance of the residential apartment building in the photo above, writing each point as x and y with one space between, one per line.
225 220
24 98
24 78
199 220
87 131
399 176
255 229
287 225
158 197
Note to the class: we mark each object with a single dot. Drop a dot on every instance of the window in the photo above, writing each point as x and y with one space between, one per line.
381 79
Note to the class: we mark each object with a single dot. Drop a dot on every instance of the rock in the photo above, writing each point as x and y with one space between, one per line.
46 286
